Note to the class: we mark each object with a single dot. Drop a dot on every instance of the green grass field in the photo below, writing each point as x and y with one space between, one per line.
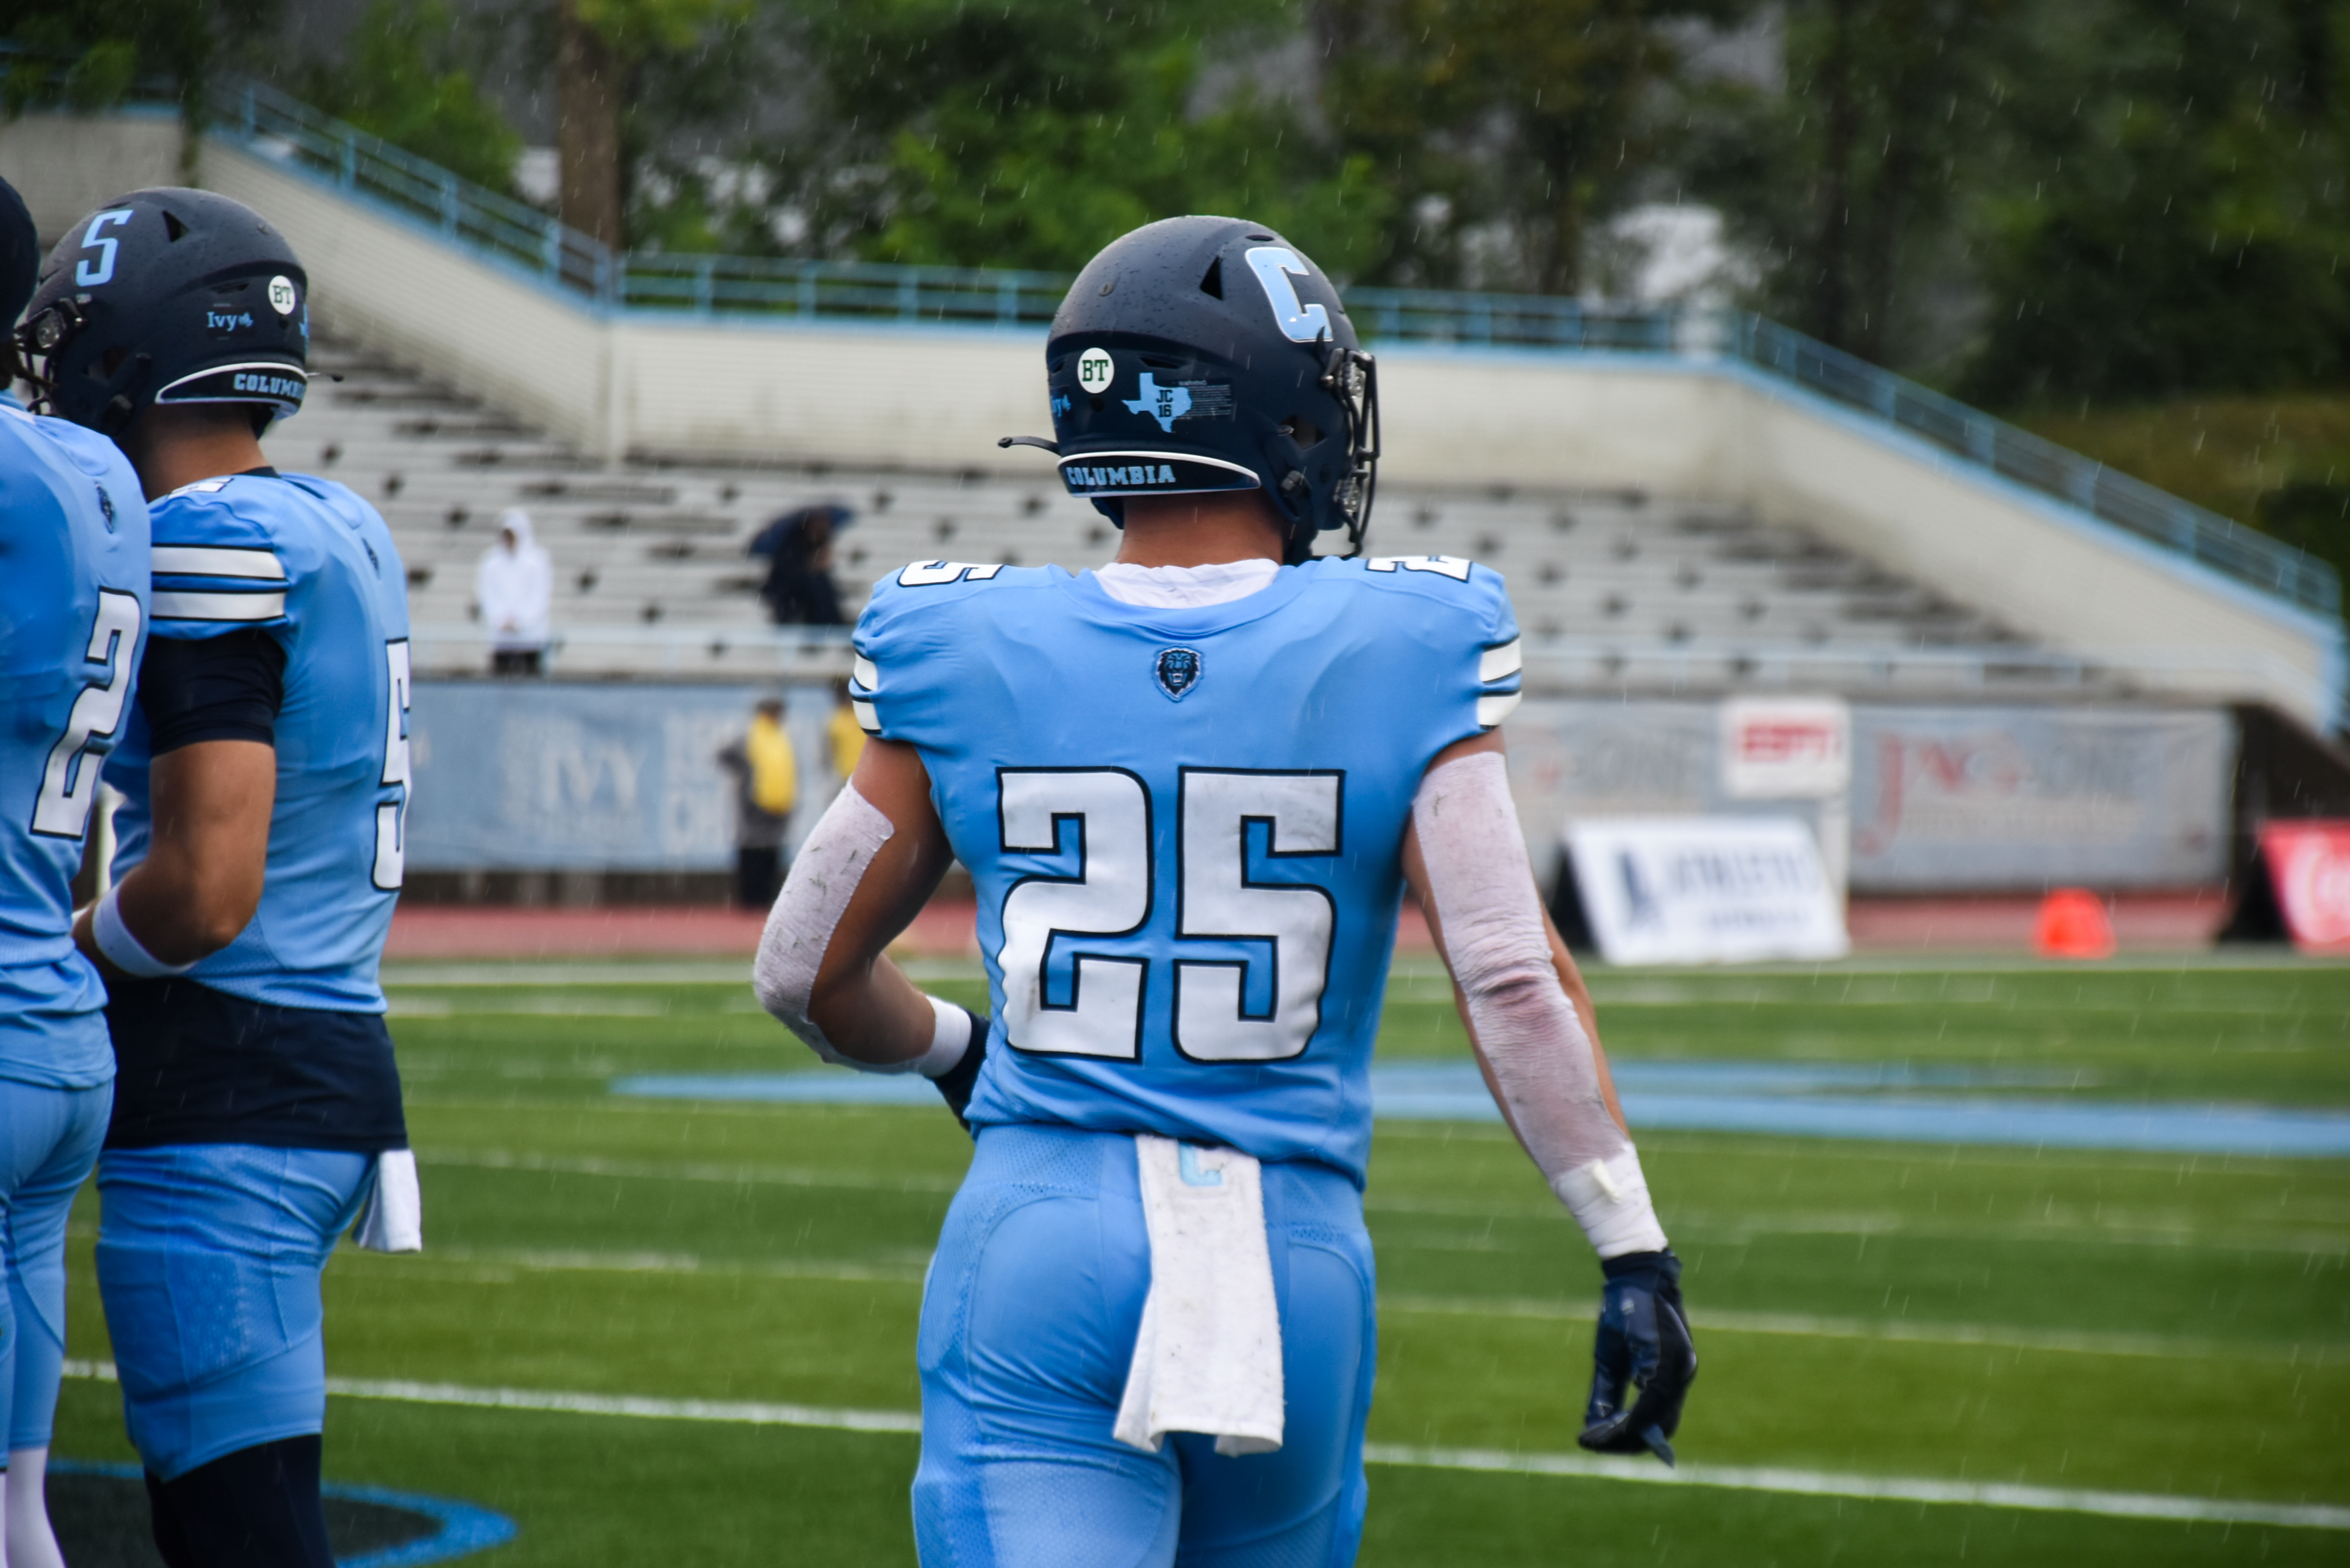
2124 1323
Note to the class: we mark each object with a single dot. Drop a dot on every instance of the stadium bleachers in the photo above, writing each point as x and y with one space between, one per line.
1615 589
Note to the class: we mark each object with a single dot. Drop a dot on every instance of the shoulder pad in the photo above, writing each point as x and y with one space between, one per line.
1457 568
1462 604
922 585
219 563
937 574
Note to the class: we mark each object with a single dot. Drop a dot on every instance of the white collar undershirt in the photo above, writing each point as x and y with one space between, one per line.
1185 587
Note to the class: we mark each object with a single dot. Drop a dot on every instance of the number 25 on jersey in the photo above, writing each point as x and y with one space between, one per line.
1272 937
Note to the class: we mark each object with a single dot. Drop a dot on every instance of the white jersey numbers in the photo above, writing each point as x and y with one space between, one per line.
69 782
1453 567
392 815
1253 994
931 574
1298 816
1108 813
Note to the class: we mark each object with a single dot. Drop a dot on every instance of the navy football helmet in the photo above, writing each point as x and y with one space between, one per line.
1207 354
20 254
168 296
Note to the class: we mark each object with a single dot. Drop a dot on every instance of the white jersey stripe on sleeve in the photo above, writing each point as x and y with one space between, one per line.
1497 662
174 606
1491 710
868 718
865 674
218 561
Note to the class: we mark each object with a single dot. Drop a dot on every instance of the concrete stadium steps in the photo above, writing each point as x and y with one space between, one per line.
1616 590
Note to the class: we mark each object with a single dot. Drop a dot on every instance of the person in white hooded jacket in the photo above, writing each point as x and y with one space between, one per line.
512 587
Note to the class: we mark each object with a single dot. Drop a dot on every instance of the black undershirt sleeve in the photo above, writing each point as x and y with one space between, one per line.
226 687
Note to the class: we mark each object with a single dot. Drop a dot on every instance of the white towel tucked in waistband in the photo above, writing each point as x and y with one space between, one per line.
1208 1356
392 1218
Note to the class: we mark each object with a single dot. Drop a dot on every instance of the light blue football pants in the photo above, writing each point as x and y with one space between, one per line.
1028 1327
49 1137
208 1261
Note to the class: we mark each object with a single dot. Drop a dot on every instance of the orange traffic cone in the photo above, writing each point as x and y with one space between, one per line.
2073 925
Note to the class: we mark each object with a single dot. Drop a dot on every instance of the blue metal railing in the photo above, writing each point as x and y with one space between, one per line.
2131 503
290 131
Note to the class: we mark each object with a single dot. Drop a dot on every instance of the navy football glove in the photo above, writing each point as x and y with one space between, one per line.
958 1081
1643 1342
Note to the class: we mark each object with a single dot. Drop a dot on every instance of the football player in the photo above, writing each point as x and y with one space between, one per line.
73 616
264 775
1192 787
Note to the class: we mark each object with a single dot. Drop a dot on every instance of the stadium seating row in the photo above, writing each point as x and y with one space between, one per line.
653 574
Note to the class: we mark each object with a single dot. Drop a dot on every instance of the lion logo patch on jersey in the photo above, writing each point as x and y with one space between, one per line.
1177 670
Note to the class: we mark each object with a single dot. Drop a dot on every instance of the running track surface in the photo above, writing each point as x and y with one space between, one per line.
2173 922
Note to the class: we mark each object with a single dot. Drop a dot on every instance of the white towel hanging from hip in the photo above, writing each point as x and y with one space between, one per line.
1207 1356
392 1218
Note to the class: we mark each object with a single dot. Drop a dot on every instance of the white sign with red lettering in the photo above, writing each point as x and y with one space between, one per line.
1785 747
2309 865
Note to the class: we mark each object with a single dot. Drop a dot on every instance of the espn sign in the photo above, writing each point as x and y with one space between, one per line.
1785 747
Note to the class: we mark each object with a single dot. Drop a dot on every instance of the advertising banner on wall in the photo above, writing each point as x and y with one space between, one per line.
1943 799
547 775
1678 890
1785 747
1948 798
2309 867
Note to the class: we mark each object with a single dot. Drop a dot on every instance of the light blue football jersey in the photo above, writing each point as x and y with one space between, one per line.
1186 826
313 564
73 623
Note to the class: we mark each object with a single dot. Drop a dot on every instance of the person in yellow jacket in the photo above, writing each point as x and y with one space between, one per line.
846 735
766 787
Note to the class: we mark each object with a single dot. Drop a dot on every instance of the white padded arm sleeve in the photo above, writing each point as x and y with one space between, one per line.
1544 1067
824 878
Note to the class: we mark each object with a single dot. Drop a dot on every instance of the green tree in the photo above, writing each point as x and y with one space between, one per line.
90 54
2174 216
1031 133
1505 128
404 77
603 50
1851 185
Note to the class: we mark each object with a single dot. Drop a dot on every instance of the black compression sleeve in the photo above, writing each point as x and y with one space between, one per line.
226 687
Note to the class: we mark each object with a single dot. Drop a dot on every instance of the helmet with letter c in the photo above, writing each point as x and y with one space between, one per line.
1203 354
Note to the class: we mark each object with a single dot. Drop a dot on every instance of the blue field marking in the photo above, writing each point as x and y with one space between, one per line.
1793 1099
466 1528
809 1088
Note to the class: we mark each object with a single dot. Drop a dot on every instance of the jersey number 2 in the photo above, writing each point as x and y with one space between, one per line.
392 815
1107 811
69 782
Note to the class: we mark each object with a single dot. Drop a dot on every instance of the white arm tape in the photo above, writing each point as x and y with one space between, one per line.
825 875
799 928
122 950
1544 1070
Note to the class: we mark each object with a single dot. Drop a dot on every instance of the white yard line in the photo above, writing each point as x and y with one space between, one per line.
1971 1335
664 1170
1997 1336
1737 1477
555 1262
1710 1228
1875 1489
